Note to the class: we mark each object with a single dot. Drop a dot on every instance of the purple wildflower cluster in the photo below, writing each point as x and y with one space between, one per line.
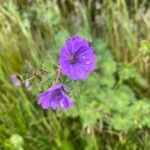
76 60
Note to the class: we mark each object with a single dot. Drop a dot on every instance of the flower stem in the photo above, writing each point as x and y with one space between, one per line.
28 79
57 75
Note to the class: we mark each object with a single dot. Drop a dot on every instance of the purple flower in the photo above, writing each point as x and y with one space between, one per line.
15 80
76 58
55 96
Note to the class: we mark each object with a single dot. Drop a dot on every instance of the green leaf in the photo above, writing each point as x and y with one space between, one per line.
17 141
90 114
127 72
144 47
121 122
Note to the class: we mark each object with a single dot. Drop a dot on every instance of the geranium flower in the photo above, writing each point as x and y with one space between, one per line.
76 58
55 96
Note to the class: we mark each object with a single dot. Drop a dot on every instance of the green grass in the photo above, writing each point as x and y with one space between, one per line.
111 107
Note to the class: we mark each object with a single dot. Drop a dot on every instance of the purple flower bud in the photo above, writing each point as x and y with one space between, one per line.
27 84
55 96
77 58
15 80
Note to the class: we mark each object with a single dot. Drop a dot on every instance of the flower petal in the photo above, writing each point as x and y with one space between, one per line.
85 51
64 52
45 103
87 59
54 104
80 72
65 103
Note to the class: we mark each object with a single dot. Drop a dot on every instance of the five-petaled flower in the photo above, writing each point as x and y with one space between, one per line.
76 58
55 96
15 80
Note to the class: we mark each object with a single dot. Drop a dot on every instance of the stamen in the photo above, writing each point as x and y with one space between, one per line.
73 58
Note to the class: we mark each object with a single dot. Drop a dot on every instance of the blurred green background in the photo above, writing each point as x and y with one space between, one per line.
111 108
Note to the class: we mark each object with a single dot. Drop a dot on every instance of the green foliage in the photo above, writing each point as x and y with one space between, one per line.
144 47
108 100
17 142
127 72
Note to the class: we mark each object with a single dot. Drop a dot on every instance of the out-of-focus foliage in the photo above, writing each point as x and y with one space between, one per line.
111 108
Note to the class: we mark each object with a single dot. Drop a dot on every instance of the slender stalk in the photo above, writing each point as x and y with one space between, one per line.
57 75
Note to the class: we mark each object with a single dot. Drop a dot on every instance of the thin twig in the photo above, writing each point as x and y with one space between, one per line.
57 75
29 79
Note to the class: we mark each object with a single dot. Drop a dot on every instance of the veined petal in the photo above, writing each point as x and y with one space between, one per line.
54 104
88 67
65 103
85 51
45 103
64 52
87 59
80 72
